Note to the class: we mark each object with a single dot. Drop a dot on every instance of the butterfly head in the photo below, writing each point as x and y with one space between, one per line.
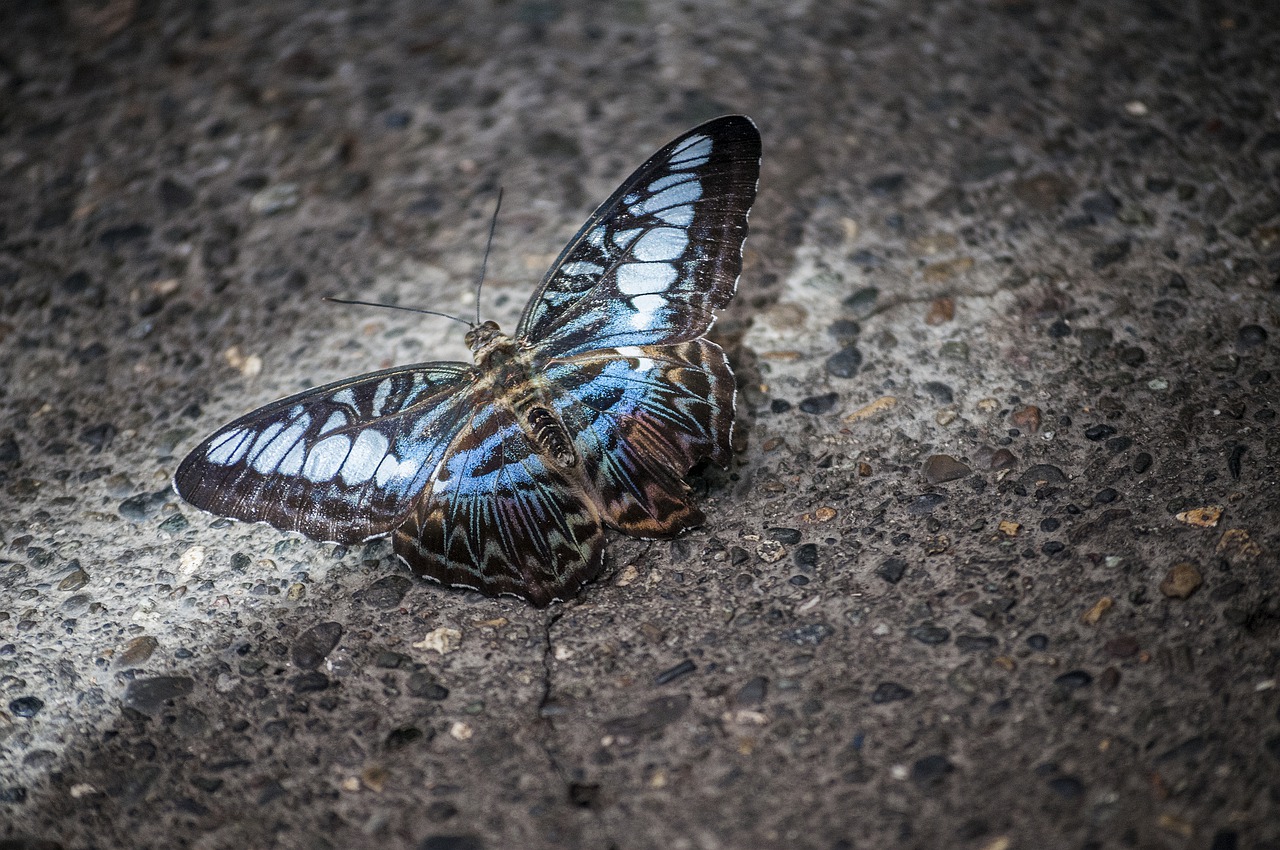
485 339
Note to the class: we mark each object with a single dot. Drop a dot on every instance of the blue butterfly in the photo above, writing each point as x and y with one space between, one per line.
503 475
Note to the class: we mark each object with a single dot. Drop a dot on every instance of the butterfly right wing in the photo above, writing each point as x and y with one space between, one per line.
343 462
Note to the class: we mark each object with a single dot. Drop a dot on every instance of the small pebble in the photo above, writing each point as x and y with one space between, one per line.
845 362
1181 581
819 404
941 468
26 706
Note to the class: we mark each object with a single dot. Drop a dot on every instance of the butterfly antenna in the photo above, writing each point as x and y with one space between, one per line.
396 307
488 246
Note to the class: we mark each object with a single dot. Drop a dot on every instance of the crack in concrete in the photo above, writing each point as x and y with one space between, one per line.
546 719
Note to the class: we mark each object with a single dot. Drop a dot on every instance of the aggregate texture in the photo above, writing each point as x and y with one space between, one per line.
994 565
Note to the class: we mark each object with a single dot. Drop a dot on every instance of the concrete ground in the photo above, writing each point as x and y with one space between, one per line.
995 564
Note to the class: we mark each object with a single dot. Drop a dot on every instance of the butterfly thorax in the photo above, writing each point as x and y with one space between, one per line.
507 368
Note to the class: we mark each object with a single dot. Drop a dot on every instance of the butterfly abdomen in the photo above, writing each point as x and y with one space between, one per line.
549 434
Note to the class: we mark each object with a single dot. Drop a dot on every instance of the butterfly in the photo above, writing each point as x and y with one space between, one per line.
503 475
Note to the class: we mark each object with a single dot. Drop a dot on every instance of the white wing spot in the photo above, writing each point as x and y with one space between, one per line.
393 469
292 463
683 193
692 155
623 238
366 454
632 352
646 307
326 458
230 448
669 180
380 397
269 457
345 397
661 243
336 420
580 268
645 278
681 216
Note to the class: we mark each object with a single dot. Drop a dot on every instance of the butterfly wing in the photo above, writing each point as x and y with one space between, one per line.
641 418
343 462
500 519
660 256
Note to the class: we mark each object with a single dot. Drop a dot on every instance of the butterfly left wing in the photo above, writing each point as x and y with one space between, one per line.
660 256
501 519
343 462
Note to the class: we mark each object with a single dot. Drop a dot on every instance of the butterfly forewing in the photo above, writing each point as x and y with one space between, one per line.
655 261
342 462
501 519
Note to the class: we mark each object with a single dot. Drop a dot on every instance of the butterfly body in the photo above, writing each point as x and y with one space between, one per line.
502 475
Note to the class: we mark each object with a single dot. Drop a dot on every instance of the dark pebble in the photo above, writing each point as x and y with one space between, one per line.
1059 329
892 570
684 668
1105 496
144 506
1119 444
807 556
399 738
148 696
18 794
1113 253
174 524
798 581
1045 472
423 685
931 770
1073 680
1132 355
1098 432
938 391
10 454
863 301
1002 459
1050 524
810 635
1225 839
656 715
584 795
309 682
117 237
925 503
1038 642
845 362
1093 341
315 644
939 469
386 592
779 405
930 634
397 119
1168 309
1101 207
785 536
1234 459
98 437
1250 336
887 184
174 195
26 706
451 842
890 692
1260 378
1053 547
752 693
976 643
1122 646
867 260
1067 787
819 404
845 330
1142 462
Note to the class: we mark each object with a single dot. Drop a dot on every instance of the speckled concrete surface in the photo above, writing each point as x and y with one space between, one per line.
995 566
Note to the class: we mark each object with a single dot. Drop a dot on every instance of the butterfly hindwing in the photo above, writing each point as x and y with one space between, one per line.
501 519
641 418
342 462
656 259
